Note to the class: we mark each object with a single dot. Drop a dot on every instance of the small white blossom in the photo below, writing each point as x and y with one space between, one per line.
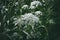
42 26
38 13
25 7
14 18
32 7
6 9
16 3
51 21
36 3
43 0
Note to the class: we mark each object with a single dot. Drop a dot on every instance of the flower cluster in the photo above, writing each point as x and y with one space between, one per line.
38 13
25 7
27 19
35 4
32 19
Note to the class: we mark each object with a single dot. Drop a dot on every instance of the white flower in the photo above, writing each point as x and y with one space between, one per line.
36 3
38 13
27 19
16 3
14 18
30 17
32 7
6 9
51 21
25 7
43 0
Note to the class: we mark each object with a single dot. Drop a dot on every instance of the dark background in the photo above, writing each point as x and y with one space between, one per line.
54 32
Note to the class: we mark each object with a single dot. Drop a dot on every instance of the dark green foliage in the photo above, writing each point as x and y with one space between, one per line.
55 30
10 9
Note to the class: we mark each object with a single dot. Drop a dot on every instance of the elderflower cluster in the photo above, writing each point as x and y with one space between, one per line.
38 13
25 7
27 19
51 21
35 4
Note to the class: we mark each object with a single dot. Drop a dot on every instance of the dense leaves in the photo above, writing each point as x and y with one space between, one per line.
26 19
